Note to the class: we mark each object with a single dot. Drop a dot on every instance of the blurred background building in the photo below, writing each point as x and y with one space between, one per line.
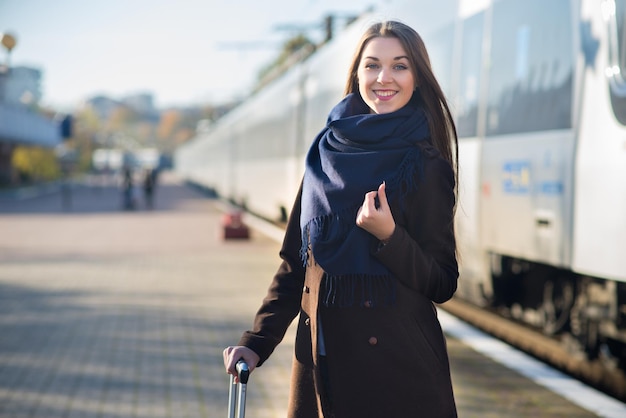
23 87
22 125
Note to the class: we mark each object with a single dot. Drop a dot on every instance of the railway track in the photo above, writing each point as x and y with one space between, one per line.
611 381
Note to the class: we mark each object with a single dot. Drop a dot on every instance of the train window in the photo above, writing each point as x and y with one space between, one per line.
531 67
466 100
439 46
615 13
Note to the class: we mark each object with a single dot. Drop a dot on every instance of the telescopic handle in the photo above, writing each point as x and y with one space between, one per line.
237 393
243 371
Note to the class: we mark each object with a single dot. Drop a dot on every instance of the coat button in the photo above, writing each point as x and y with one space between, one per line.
307 322
367 303
373 341
306 289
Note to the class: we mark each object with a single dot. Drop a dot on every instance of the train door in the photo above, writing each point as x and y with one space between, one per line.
528 150
600 202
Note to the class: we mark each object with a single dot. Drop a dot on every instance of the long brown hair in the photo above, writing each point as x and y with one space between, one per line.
440 122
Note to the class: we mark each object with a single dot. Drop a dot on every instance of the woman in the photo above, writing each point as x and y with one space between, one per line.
370 246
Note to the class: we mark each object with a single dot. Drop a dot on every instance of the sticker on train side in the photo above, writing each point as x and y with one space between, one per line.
516 177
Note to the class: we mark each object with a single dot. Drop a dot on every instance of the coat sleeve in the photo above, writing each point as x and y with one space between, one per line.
282 302
421 252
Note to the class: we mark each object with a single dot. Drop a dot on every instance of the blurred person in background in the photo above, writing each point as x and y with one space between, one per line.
149 185
128 192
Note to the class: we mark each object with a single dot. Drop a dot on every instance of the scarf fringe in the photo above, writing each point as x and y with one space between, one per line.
322 225
344 291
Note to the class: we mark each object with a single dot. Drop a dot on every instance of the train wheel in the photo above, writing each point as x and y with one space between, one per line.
558 300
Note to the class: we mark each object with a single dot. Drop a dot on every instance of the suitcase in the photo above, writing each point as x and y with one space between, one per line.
237 392
234 228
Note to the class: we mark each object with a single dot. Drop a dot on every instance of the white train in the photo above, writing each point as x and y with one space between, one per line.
539 97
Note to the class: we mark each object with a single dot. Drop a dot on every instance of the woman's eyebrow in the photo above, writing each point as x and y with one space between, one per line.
395 58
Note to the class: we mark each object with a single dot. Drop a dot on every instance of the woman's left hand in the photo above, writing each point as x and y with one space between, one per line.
378 221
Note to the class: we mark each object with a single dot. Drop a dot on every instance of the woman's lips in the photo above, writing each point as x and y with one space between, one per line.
385 94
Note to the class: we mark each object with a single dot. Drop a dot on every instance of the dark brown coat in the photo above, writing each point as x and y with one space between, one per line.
383 362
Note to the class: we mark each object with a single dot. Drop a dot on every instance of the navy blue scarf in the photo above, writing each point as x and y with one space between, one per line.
353 155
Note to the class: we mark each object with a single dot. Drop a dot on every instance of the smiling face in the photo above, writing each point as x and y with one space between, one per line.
385 77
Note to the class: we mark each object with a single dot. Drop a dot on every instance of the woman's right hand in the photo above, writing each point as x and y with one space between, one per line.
233 354
376 219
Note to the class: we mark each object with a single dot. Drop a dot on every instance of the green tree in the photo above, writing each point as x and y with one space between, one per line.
295 49
35 164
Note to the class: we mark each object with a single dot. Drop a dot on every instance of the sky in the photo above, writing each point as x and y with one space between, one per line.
184 52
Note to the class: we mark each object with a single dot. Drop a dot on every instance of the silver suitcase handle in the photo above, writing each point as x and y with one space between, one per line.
237 393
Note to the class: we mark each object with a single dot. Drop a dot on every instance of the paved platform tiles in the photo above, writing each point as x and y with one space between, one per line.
111 313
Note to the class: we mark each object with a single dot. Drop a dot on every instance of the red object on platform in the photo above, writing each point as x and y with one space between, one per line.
233 226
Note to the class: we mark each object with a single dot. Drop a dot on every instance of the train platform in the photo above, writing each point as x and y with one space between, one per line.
109 313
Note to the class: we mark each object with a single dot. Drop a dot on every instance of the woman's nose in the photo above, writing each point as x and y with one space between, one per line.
384 77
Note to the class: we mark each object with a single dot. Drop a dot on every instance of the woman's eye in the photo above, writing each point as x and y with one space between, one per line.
371 66
401 67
